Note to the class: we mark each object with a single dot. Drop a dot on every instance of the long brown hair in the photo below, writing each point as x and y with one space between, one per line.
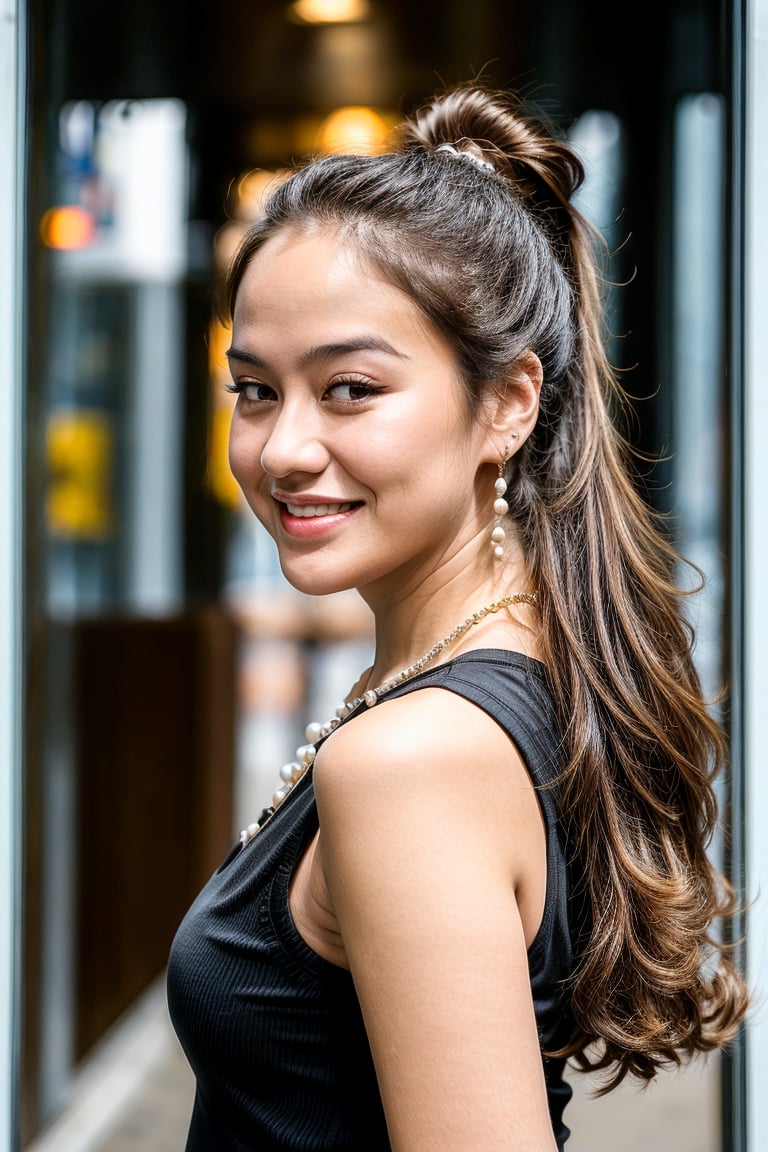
501 262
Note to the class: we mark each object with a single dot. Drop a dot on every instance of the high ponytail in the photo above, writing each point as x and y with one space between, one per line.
501 262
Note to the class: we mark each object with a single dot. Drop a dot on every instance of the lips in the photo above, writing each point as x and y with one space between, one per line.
306 511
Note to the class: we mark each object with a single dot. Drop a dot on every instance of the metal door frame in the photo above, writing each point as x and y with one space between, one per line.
11 678
751 607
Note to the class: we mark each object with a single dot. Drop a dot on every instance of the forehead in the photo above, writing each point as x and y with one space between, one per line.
322 278
302 261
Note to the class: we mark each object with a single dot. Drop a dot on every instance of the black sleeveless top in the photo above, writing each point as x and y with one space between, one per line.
273 1032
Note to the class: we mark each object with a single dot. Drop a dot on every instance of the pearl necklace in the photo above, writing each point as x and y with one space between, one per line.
292 772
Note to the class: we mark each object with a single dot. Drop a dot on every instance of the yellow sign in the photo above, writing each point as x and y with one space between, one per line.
80 450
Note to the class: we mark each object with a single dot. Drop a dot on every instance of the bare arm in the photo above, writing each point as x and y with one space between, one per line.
432 850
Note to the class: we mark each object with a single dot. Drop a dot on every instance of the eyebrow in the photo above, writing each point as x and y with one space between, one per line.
325 351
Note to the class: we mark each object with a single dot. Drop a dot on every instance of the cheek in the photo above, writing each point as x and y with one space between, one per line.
245 450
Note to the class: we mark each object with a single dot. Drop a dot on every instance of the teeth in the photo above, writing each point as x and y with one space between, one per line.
306 510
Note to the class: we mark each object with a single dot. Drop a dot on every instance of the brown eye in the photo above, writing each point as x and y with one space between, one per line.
252 390
353 390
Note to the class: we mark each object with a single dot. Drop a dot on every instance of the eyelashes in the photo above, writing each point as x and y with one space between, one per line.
241 388
348 390
357 389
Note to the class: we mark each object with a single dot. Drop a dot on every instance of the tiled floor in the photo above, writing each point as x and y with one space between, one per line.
679 1112
134 1093
136 1096
158 1119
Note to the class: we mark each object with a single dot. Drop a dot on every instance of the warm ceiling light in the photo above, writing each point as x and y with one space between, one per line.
353 129
253 189
227 241
329 11
67 227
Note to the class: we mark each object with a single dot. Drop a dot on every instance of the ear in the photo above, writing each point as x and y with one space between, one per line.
513 409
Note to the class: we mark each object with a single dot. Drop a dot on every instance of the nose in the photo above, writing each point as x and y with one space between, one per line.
294 443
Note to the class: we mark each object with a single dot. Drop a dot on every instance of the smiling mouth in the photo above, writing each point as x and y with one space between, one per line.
305 511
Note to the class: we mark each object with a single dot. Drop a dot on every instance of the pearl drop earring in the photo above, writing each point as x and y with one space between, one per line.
500 509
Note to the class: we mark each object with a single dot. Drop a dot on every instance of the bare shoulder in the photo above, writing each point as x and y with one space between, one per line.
426 734
443 759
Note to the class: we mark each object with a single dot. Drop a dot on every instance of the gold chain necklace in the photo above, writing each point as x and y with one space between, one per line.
292 772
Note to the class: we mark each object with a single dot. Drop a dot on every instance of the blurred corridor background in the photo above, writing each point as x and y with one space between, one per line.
169 667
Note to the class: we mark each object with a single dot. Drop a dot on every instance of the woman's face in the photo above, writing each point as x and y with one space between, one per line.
351 437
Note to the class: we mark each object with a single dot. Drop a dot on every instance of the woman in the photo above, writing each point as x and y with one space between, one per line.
494 856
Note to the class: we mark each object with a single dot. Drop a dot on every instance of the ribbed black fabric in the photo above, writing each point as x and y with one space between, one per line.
273 1032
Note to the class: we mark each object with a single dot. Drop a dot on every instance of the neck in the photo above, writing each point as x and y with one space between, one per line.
434 653
407 627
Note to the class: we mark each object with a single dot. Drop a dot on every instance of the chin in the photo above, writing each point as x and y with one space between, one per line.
314 584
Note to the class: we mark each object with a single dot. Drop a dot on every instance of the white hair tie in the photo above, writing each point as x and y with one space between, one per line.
462 155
